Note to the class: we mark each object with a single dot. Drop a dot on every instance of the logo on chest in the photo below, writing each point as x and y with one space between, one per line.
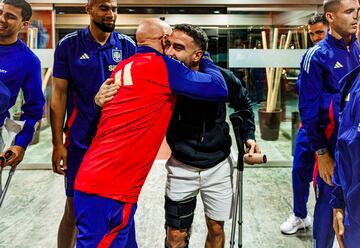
84 56
117 55
347 98
338 65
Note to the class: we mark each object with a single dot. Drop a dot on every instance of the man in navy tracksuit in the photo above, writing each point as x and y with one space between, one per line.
304 156
83 61
323 66
19 69
346 195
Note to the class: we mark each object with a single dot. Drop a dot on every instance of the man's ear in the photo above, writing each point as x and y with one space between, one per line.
198 55
329 17
163 41
87 8
25 25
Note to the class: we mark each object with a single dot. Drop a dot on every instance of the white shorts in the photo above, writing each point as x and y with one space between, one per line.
214 184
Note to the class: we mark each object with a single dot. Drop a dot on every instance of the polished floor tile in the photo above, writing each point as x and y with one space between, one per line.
32 210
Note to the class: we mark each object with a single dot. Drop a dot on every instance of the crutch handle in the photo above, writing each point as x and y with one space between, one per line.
5 157
8 154
256 158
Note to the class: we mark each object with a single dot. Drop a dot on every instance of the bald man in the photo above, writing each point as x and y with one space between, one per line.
130 132
83 60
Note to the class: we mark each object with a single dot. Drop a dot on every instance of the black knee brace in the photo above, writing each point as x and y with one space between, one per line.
179 214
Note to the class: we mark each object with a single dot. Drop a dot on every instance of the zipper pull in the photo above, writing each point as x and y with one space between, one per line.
203 133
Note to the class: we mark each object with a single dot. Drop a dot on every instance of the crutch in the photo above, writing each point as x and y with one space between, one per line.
237 121
3 162
13 128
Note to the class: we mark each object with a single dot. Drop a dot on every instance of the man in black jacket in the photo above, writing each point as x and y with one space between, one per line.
198 136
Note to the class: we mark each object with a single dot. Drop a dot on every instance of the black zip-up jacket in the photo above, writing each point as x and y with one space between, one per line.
198 133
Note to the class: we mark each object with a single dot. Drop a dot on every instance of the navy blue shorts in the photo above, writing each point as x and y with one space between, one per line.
75 157
103 222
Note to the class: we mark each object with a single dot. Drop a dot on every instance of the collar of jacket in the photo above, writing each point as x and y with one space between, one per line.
110 42
340 43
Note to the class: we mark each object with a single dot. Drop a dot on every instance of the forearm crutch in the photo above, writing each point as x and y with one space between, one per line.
256 158
3 161
237 121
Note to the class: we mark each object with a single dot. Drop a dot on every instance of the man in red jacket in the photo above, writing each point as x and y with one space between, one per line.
130 133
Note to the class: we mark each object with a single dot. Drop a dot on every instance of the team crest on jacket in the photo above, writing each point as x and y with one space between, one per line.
117 55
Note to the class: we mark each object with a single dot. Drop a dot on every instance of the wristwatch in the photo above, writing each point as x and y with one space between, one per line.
322 151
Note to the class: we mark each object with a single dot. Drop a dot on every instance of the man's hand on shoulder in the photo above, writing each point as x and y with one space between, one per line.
106 92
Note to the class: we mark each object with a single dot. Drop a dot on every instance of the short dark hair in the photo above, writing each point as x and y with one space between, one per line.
331 5
318 17
26 11
199 35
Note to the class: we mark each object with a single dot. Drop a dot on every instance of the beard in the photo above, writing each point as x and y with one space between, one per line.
105 28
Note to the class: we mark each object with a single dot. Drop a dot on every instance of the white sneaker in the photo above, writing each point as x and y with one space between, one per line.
294 223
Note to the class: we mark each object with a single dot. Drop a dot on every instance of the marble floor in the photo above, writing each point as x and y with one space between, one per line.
32 210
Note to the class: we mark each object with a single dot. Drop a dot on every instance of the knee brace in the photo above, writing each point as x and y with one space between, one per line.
179 214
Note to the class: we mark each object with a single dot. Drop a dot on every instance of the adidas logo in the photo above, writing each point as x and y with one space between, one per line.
347 98
84 56
338 65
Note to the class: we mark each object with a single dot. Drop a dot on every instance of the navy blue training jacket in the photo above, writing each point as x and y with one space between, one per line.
347 160
322 68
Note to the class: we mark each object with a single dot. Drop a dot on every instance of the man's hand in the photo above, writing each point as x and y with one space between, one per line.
338 225
252 147
106 92
326 167
59 159
16 157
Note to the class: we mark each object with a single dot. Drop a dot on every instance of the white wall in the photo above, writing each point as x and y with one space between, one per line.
259 58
